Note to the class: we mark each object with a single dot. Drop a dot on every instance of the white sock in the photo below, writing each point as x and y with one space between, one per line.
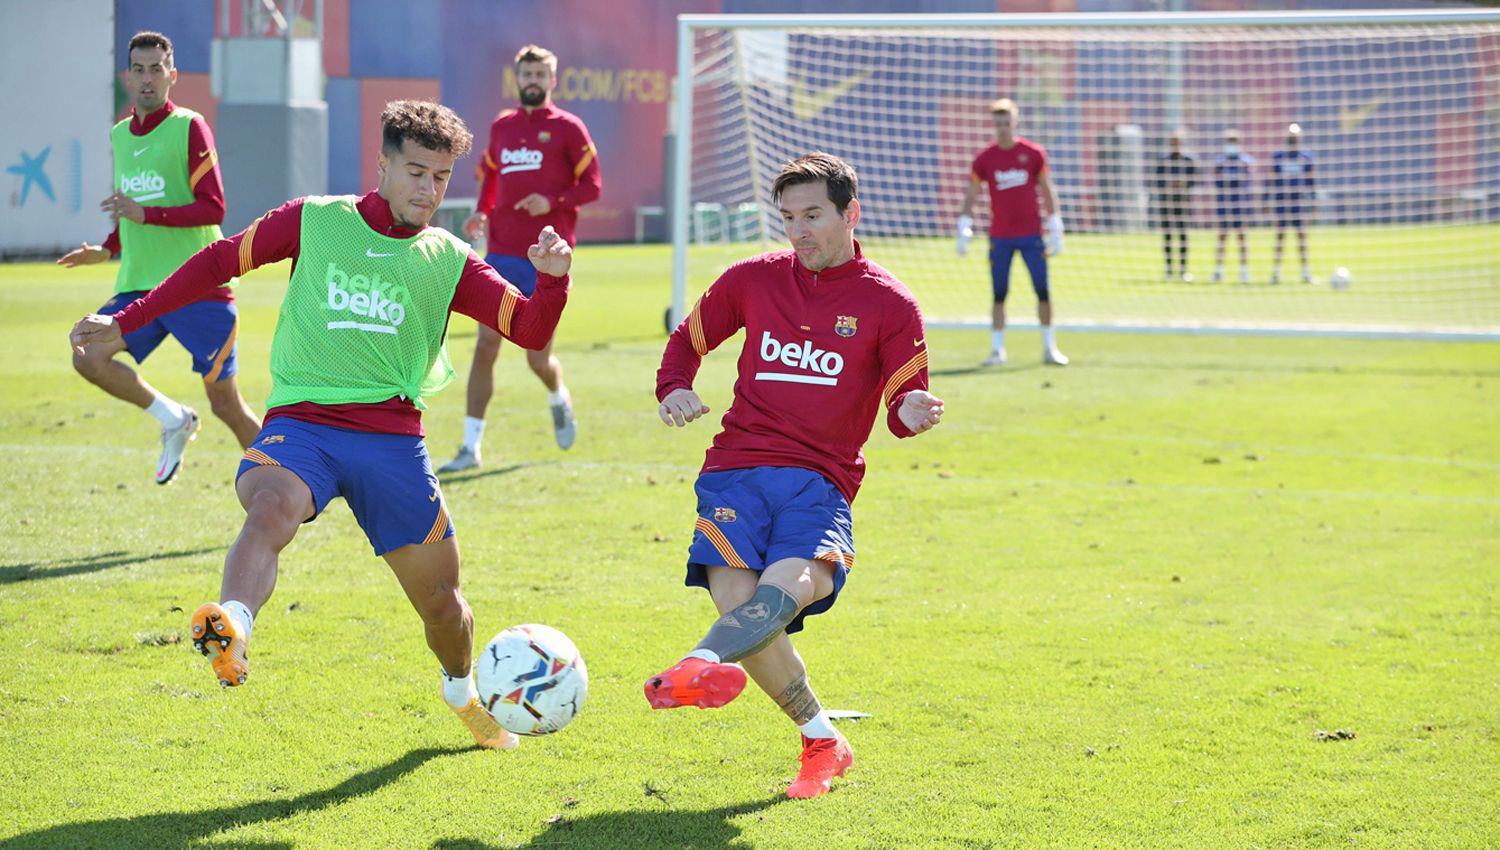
1049 339
473 432
459 692
559 396
240 614
818 726
168 412
997 341
706 654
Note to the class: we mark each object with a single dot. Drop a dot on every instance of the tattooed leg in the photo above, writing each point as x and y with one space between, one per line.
752 626
798 701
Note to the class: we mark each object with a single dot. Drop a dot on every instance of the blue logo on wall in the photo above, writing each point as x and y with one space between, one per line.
32 169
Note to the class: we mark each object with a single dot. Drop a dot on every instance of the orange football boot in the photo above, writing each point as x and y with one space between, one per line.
693 681
822 760
216 635
487 731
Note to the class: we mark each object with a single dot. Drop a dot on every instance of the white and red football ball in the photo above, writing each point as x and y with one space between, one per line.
531 679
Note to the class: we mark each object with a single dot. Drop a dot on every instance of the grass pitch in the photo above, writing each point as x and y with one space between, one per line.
1187 592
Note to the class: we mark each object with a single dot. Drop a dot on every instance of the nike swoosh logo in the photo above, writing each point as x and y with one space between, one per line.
432 498
807 105
371 253
1351 118
918 341
141 151
203 154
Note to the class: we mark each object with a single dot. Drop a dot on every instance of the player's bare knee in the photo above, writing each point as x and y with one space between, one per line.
730 588
225 405
445 609
273 514
806 581
728 600
91 363
487 347
541 362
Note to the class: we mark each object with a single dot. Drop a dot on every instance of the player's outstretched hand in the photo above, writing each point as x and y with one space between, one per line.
681 407
120 205
83 255
535 203
551 254
475 225
920 411
94 329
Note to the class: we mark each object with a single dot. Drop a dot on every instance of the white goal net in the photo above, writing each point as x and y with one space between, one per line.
1400 113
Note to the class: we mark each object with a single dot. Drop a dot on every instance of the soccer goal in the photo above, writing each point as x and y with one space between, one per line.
1400 112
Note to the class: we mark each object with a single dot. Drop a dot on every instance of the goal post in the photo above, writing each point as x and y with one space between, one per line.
1400 111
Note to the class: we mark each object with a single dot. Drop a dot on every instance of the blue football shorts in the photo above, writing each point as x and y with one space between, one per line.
752 518
387 479
207 329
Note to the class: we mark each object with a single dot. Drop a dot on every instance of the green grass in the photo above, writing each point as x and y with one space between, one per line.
1429 277
1106 606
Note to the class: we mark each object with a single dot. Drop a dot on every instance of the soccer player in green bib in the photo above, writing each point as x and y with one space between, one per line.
357 347
168 204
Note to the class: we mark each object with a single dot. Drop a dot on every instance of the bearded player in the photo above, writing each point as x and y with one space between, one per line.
539 168
357 347
830 338
168 204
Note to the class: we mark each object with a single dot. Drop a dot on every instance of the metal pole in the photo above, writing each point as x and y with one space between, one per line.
682 170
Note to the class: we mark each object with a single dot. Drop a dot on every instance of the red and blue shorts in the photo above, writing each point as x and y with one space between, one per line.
207 329
752 518
387 479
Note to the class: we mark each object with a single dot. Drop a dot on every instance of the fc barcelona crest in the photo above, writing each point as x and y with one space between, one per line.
724 515
846 325
543 137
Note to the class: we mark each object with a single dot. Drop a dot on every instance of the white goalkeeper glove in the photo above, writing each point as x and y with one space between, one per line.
965 233
1052 234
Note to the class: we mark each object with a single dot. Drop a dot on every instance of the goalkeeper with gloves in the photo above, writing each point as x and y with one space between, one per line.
1015 169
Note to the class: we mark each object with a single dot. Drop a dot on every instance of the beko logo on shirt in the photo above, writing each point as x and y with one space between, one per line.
1010 178
824 365
143 185
520 159
370 297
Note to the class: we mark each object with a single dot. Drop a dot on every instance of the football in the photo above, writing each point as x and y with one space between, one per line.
531 679
1339 279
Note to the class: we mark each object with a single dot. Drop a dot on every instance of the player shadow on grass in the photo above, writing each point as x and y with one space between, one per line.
464 477
706 829
90 564
171 830
975 370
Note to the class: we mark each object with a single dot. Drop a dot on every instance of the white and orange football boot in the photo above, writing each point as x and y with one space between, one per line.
216 636
487 731
822 760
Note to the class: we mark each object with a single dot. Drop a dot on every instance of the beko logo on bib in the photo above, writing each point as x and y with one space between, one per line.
369 297
520 159
824 366
143 185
